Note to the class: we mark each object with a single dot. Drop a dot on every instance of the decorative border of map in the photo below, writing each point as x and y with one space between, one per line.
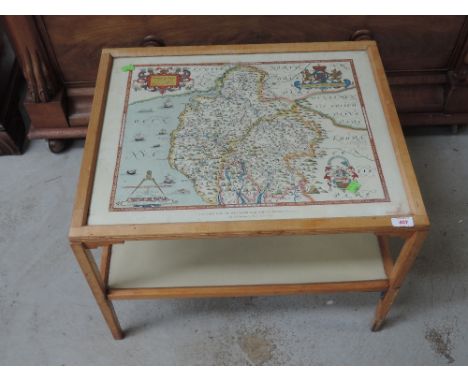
339 173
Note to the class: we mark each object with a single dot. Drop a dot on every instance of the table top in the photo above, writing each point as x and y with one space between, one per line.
252 133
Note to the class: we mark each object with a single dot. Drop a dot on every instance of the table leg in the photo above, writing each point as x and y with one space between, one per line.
402 265
91 272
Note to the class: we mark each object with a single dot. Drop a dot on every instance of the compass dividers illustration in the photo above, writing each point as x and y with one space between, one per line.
84 237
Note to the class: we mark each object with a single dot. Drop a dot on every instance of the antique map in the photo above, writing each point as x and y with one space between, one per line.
251 134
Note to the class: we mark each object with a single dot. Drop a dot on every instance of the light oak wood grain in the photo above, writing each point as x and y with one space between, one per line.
105 264
247 290
402 266
96 284
398 140
88 164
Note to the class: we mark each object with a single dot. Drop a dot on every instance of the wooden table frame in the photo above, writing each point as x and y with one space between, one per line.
84 237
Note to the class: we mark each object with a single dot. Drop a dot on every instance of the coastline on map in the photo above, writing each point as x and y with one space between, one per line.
156 123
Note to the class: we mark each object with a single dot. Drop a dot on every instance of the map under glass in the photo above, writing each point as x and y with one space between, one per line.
233 135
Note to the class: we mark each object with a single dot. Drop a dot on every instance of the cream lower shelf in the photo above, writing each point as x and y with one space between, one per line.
246 261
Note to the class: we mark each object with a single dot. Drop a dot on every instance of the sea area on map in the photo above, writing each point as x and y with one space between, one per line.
145 147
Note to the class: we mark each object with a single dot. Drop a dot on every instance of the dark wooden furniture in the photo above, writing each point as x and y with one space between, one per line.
12 129
425 57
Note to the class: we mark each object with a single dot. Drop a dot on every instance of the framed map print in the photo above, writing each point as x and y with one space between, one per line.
244 136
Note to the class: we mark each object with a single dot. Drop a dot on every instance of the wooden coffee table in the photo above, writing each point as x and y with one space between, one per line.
286 161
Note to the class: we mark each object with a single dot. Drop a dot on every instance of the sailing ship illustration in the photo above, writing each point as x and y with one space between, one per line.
168 180
139 137
168 104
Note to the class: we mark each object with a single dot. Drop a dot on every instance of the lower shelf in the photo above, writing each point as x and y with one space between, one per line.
246 261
